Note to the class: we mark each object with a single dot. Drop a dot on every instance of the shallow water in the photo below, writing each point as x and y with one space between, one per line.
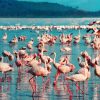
16 86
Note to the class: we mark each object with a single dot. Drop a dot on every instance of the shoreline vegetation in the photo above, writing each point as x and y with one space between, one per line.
22 9
47 28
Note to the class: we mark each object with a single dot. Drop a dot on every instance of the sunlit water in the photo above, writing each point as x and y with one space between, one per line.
16 86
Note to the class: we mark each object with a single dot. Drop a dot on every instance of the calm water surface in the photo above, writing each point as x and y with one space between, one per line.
17 87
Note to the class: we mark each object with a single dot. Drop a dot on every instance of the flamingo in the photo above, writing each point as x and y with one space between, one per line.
4 36
96 43
8 54
94 22
66 49
44 58
82 75
81 63
88 40
22 52
41 47
65 39
86 56
97 69
61 69
5 53
30 58
96 32
64 60
29 45
37 70
22 38
14 40
81 71
77 38
91 62
5 67
18 62
78 77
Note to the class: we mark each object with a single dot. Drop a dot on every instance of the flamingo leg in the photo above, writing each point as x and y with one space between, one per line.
86 86
56 77
19 70
43 79
33 84
78 88
56 89
69 91
46 83
4 77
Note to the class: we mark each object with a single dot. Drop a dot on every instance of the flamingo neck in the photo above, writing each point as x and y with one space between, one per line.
54 57
17 56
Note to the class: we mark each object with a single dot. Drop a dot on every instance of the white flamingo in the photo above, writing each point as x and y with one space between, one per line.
4 36
82 75
65 49
5 67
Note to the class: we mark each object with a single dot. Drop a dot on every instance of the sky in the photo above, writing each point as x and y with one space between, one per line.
88 5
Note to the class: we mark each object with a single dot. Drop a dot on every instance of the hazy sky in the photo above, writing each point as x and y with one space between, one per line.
90 5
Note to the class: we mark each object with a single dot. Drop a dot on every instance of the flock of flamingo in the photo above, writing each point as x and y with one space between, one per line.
40 64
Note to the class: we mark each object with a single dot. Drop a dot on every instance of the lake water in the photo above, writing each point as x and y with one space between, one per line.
16 86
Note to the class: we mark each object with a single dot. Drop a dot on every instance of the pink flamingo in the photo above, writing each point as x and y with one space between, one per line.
14 40
65 38
94 22
64 60
81 63
18 61
11 57
91 62
22 58
22 38
37 70
61 69
5 67
82 76
96 32
41 47
77 38
5 53
29 45
8 54
65 49
44 58
97 70
82 70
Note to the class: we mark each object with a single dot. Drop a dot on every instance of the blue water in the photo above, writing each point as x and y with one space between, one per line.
18 88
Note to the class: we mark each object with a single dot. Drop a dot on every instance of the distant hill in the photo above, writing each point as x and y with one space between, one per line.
13 8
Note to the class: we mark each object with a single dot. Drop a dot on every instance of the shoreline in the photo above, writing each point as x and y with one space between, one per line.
47 27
